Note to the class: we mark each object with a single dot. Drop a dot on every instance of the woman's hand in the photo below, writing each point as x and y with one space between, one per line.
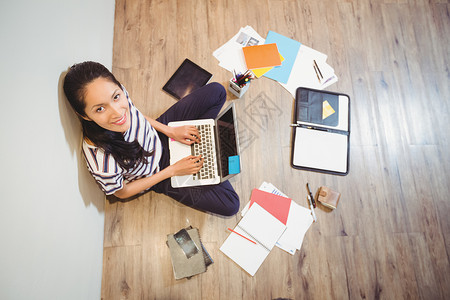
187 134
187 166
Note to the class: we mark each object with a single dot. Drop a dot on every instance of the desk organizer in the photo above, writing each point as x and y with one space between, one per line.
236 89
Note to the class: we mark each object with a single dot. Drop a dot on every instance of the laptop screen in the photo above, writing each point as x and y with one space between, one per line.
227 140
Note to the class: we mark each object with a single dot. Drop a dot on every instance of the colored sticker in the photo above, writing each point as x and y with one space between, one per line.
234 165
327 110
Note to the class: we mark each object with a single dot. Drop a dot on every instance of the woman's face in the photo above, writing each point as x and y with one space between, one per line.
107 105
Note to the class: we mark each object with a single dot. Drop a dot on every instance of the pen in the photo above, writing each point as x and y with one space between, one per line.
311 195
320 128
240 76
299 125
317 74
242 236
315 63
329 79
312 208
308 127
244 79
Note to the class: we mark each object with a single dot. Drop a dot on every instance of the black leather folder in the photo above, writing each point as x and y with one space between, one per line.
321 131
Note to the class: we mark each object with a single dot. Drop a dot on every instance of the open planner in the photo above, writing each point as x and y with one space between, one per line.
321 135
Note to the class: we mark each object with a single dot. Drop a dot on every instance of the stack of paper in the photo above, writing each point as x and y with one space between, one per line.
301 66
269 219
299 220
231 56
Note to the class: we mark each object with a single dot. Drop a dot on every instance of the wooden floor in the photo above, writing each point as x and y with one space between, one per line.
389 237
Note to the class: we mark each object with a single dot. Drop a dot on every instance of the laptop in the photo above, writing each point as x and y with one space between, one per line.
219 147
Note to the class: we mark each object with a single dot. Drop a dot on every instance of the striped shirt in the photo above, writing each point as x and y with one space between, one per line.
104 168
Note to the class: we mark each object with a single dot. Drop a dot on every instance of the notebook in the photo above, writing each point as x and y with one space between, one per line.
277 205
261 56
298 221
189 256
187 78
321 138
263 229
221 160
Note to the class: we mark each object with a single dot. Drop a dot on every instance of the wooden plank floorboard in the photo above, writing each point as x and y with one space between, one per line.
389 238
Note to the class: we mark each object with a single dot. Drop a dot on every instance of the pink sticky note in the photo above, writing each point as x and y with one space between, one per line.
276 205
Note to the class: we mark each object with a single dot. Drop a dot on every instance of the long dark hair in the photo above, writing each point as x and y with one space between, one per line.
77 78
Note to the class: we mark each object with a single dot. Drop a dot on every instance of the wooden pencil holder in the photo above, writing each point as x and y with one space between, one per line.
236 89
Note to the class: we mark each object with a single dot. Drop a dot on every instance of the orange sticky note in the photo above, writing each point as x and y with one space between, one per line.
262 56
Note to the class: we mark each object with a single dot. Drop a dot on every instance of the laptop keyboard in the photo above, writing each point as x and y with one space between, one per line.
206 149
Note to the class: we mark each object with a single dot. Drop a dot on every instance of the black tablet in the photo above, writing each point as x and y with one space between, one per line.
186 79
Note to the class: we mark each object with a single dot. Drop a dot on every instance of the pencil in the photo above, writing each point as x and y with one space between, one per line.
242 236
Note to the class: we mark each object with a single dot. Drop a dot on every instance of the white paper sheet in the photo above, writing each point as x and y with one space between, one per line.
231 56
320 150
299 221
303 74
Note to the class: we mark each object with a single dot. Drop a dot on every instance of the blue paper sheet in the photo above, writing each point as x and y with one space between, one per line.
288 48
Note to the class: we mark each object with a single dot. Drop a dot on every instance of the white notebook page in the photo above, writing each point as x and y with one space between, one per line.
259 225
320 150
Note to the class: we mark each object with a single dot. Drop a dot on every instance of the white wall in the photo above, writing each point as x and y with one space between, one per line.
51 211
